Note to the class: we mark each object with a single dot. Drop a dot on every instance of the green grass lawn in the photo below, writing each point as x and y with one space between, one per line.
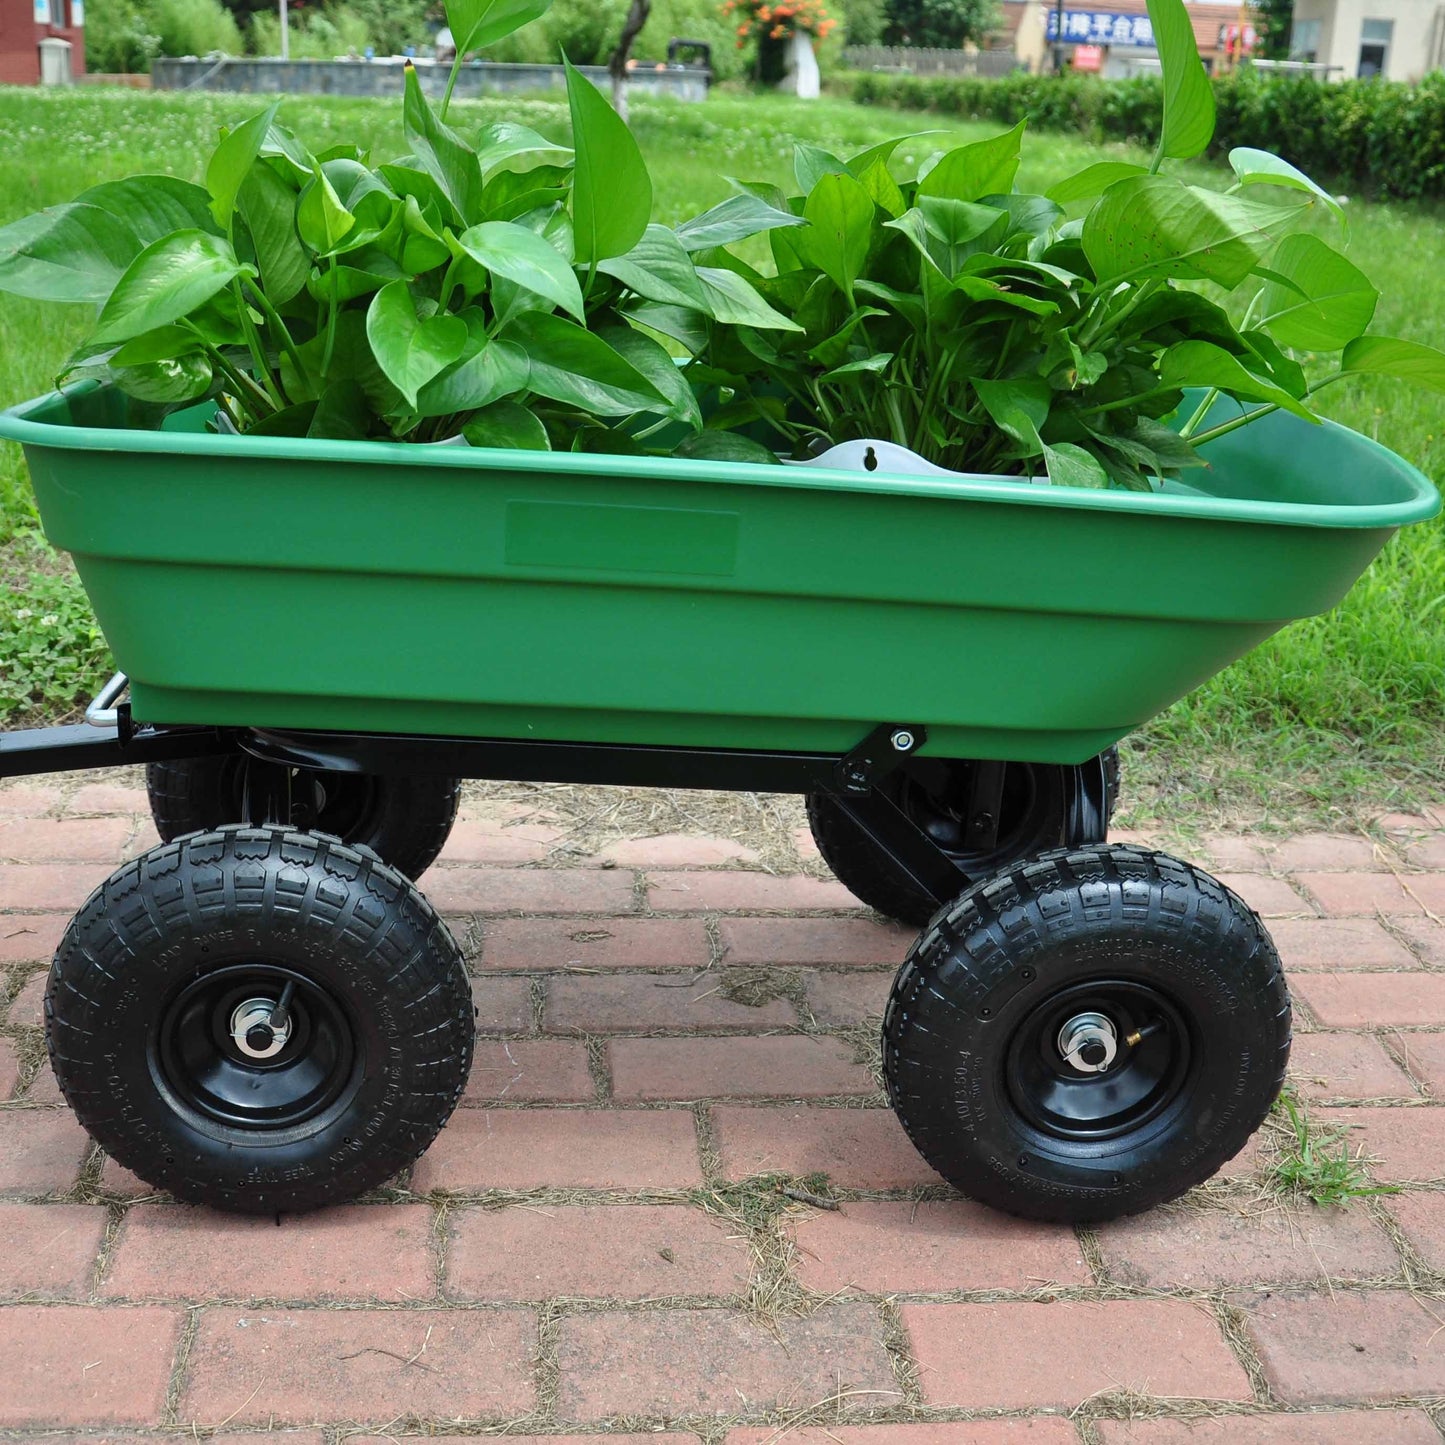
1335 717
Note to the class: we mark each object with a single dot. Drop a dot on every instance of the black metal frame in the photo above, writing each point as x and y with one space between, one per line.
852 778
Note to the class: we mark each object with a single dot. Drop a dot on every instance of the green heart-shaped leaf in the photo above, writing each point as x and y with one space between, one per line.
525 259
476 24
66 253
1201 363
611 190
1320 300
232 159
408 349
1188 96
169 279
1386 356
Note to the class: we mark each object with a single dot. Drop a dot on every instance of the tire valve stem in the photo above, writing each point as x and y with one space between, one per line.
281 1014
1139 1035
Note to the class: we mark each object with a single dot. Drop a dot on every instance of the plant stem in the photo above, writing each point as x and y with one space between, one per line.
451 84
1127 401
1226 427
273 319
1097 329
253 341
330 326
1200 412
242 382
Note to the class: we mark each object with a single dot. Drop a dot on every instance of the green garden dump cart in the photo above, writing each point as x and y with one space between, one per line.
321 637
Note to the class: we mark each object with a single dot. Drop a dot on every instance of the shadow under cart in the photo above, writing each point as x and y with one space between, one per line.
322 637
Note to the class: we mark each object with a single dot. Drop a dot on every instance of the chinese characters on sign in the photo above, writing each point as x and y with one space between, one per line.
1096 27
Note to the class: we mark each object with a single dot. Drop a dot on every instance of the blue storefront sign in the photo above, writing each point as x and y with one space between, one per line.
1098 27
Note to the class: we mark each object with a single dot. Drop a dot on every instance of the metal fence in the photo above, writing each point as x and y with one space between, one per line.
918 60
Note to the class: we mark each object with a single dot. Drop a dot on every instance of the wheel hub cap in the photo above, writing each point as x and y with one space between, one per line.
253 1032
1088 1041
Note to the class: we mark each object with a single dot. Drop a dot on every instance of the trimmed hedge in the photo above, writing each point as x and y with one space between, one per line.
1377 137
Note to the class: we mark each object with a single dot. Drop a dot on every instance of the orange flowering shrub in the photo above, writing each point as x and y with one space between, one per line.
779 20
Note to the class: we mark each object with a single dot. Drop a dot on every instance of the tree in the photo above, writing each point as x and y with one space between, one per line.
637 13
1273 20
942 23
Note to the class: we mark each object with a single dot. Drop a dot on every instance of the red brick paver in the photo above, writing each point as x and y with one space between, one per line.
856 1148
49 1249
521 1071
1404 1144
101 1367
1422 1218
735 891
562 1149
31 937
525 890
1424 1056
39 886
1379 1427
1314 945
1340 894
678 850
643 1251
887 1247
794 1066
28 1009
624 1003
1206 1249
603 943
831 941
48 840
357 1251
1373 1000
1337 1347
847 998
581 1185
1014 1356
1040 1430
1425 935
41 1151
718 1362
1349 1066
504 1005
294 1367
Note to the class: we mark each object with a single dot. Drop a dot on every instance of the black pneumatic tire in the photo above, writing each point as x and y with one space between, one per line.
153 971
405 821
969 1036
1036 811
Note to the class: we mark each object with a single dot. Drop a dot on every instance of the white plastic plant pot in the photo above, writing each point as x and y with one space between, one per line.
876 455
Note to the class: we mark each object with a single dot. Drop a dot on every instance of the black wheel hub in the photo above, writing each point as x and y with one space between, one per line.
938 802
1099 1060
326 802
222 1058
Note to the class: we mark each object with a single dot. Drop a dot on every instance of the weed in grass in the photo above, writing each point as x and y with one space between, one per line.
52 653
1315 1163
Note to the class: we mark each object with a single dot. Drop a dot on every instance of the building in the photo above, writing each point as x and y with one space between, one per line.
33 39
1396 39
1115 38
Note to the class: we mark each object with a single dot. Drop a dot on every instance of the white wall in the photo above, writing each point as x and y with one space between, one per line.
1415 45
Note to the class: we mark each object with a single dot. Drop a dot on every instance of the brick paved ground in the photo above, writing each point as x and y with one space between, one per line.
580 1253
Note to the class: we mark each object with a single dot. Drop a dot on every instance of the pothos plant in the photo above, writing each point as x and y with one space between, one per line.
492 288
1003 332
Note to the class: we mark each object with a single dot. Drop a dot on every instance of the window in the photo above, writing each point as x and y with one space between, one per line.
1375 38
1304 39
